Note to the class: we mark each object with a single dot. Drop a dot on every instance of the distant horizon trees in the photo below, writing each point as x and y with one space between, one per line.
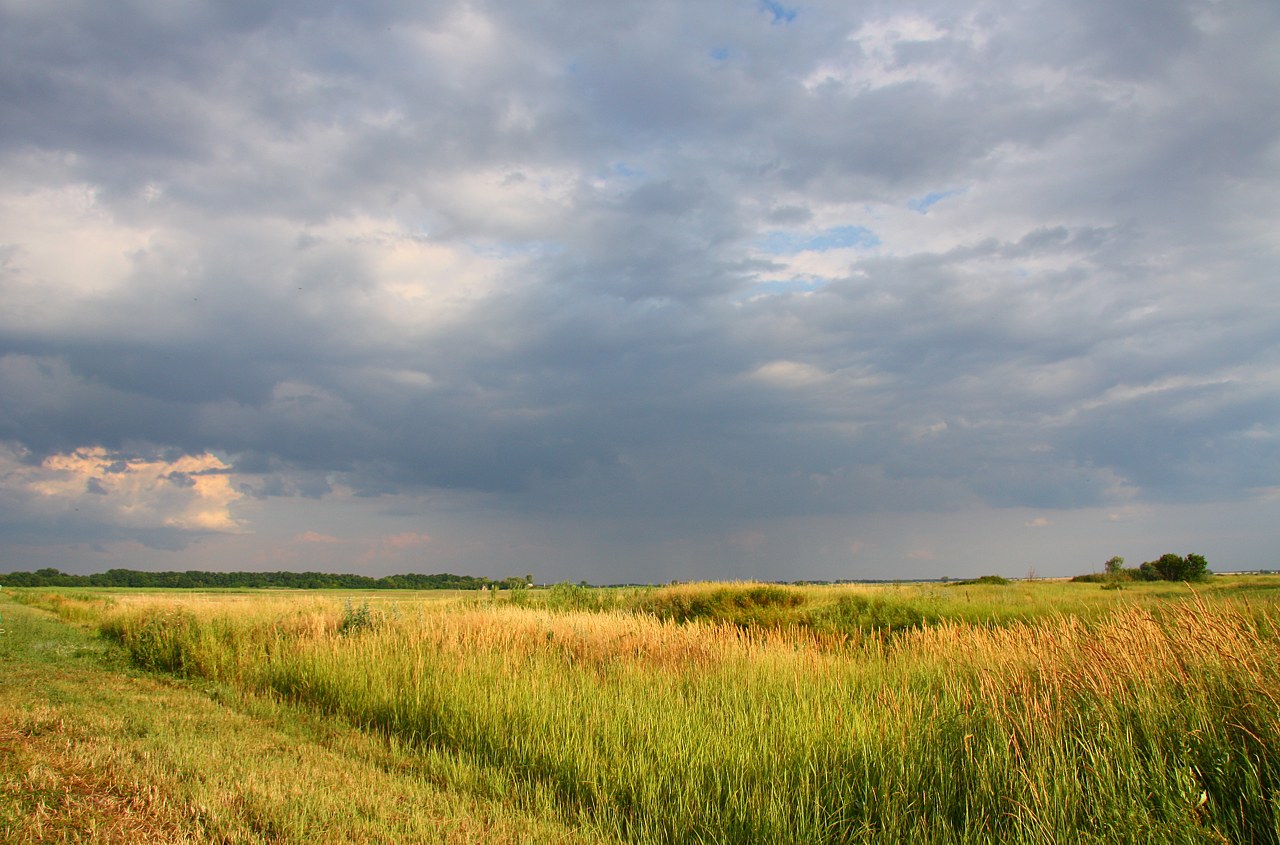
195 579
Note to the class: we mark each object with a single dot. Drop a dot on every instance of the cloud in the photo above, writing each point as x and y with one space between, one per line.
393 547
714 264
405 540
122 491
315 537
748 541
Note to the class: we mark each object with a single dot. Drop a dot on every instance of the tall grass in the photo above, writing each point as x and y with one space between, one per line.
857 610
1135 723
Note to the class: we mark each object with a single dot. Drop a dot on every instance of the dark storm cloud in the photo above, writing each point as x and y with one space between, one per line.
600 259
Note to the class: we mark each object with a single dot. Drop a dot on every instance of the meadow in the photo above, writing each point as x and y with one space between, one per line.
745 713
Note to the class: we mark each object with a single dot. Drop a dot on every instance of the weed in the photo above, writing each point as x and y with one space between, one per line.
356 619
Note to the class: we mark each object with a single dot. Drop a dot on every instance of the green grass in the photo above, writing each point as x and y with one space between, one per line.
1041 712
858 610
94 751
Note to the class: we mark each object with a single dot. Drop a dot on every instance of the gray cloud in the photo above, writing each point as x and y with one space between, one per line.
529 253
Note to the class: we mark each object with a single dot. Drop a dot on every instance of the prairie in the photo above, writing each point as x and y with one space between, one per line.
1027 712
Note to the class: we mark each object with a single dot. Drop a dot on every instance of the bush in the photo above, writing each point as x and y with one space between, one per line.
997 580
867 614
566 596
766 605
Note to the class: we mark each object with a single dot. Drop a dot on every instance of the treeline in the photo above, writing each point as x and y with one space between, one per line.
244 580
1168 567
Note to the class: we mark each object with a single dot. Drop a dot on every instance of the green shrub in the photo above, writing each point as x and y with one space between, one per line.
356 619
997 580
159 641
765 605
866 614
566 596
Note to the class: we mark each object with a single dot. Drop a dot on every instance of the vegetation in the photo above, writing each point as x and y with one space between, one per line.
1168 567
253 580
730 712
986 579
92 750
753 605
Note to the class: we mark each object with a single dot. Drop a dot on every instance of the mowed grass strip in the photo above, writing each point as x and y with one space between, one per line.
93 751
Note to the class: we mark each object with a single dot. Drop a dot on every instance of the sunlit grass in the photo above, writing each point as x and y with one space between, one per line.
1023 712
93 752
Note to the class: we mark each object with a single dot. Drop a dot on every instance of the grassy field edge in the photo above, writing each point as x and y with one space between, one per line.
92 750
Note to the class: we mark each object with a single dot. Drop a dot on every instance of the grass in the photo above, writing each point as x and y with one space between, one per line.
92 750
858 610
750 713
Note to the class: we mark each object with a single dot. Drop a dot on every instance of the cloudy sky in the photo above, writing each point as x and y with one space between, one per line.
639 291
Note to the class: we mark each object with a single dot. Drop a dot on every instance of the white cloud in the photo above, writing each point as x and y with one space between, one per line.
188 493
61 246
789 374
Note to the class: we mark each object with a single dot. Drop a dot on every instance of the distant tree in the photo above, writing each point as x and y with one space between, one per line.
1197 567
1115 566
50 577
1171 567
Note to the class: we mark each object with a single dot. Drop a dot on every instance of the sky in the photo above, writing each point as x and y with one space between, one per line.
634 292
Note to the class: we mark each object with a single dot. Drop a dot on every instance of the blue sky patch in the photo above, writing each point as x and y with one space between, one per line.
626 171
781 14
838 237
924 203
514 249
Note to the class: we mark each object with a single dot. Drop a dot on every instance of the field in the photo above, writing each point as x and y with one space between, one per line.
745 713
